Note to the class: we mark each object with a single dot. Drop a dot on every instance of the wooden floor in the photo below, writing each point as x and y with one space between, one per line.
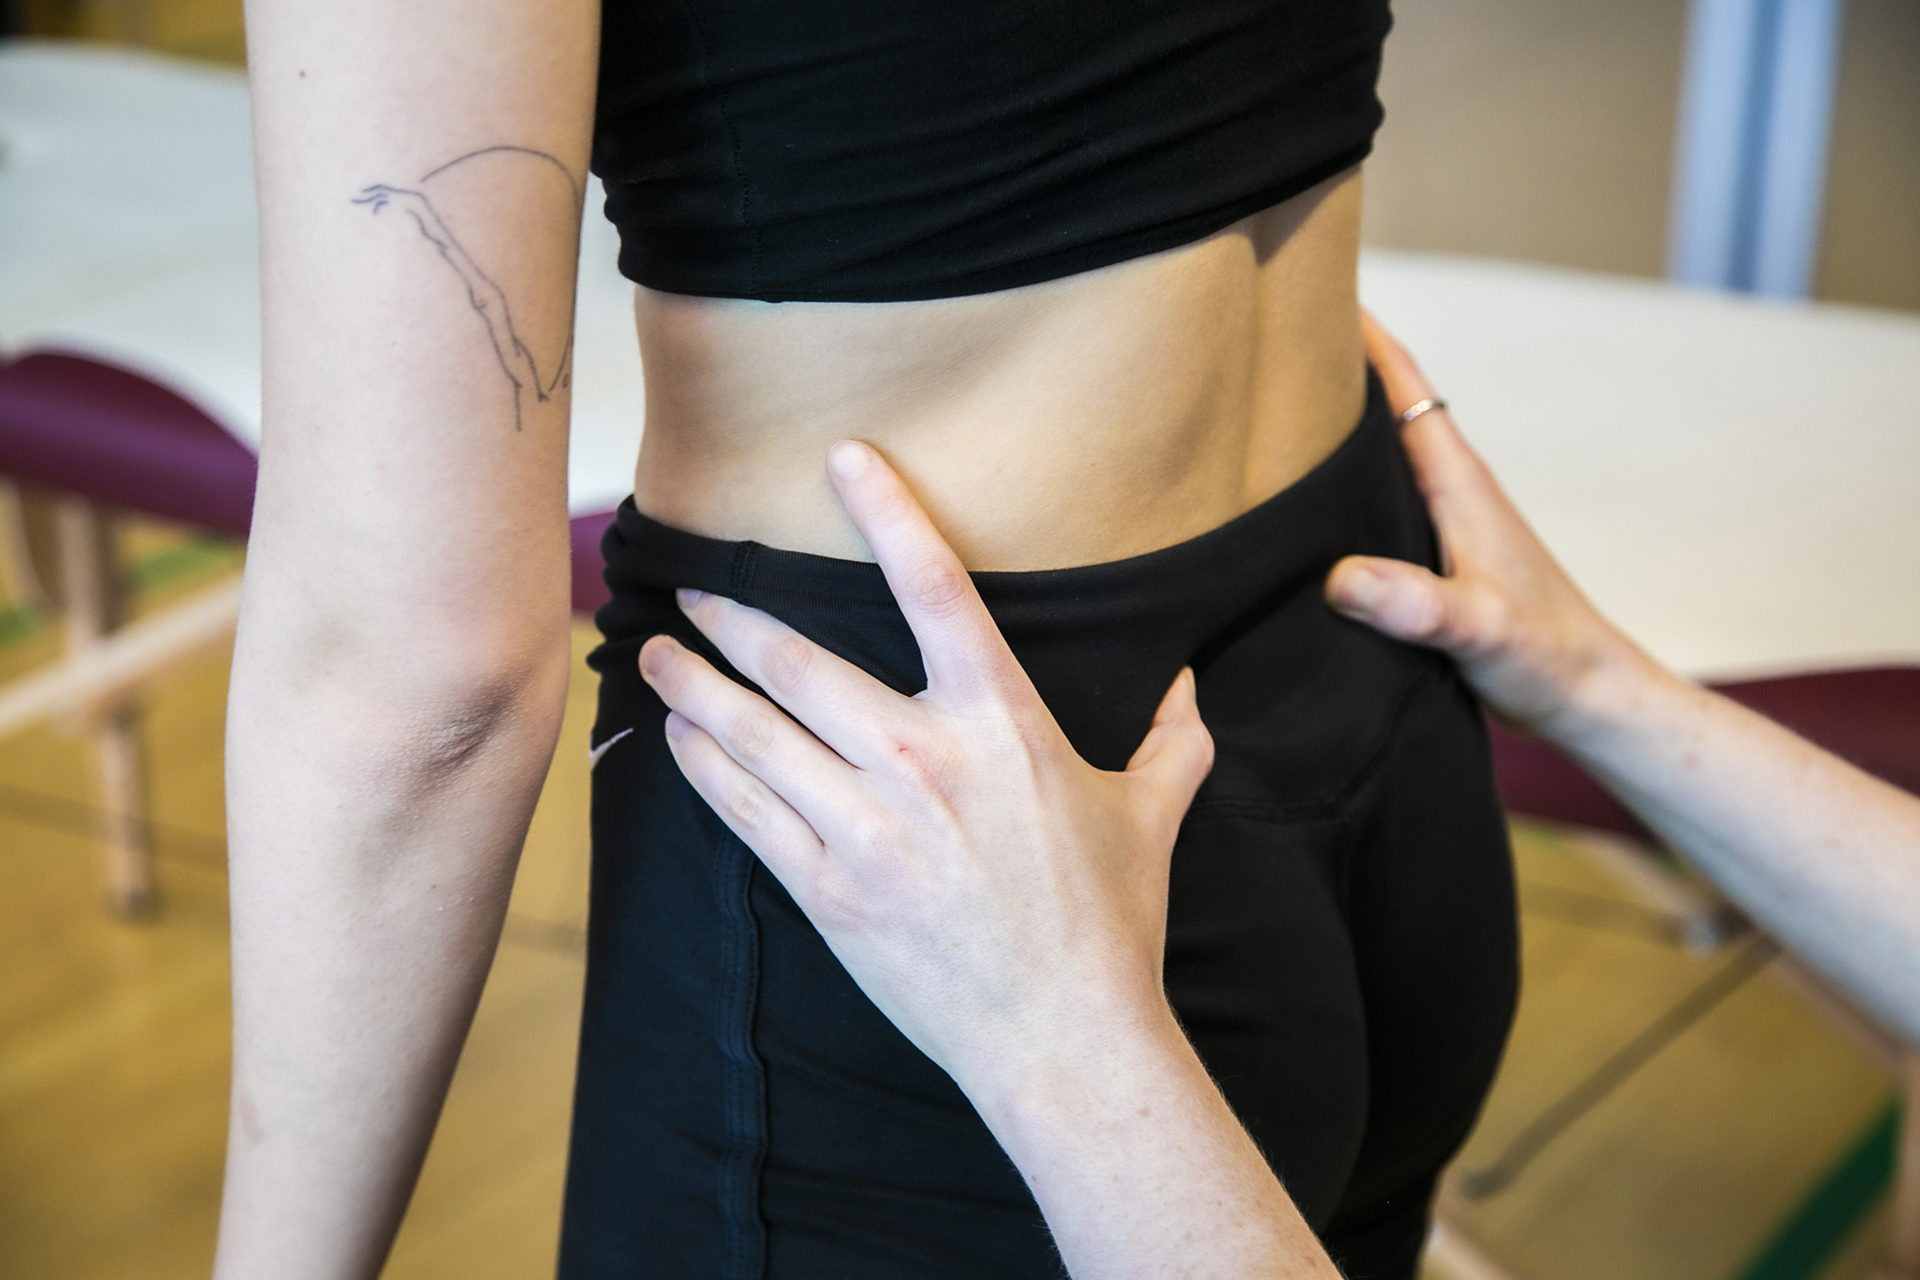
1718 1159
1697 1161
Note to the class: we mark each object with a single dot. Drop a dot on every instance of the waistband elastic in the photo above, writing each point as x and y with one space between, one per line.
1124 625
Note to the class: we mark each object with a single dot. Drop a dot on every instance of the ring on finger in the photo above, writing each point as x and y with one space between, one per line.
1419 407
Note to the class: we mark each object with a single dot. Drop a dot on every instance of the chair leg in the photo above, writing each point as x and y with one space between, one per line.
18 576
1901 1261
93 603
131 889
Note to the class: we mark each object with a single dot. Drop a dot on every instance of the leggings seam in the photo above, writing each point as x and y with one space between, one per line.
742 570
744 1087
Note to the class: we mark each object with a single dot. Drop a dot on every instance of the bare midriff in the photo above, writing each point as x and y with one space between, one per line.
1080 420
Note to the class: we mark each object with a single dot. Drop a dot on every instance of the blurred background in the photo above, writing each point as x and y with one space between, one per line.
1678 1100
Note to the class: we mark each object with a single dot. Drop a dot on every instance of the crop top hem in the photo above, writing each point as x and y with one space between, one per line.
1052 266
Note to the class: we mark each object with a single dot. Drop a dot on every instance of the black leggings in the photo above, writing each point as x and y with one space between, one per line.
1341 942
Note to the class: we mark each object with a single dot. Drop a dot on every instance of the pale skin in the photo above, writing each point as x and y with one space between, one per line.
402 656
1005 903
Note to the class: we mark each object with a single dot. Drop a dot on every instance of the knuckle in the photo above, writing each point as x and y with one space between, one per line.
752 738
836 906
1496 619
1202 742
997 687
1007 731
1427 615
744 805
870 835
1470 615
938 586
787 662
1030 728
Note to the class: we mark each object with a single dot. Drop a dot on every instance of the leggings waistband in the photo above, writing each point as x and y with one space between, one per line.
1122 628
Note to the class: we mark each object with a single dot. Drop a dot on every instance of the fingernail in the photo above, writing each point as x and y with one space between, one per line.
687 597
653 656
677 725
849 459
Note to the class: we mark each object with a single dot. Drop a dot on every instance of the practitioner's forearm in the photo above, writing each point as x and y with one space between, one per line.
1822 855
1140 1167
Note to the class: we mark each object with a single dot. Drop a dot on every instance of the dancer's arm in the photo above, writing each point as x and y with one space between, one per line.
997 897
402 659
1824 856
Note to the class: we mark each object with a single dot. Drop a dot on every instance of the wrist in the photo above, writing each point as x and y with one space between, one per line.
1057 1081
1609 692
1139 1165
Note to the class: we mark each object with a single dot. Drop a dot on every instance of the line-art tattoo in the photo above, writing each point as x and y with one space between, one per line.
487 298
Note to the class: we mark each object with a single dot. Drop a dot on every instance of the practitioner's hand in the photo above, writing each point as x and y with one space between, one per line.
1522 633
1003 902
994 894
1822 856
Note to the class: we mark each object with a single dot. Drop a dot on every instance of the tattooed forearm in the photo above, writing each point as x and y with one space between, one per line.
514 349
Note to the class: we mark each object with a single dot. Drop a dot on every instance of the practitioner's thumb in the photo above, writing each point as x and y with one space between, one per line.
1403 600
1177 753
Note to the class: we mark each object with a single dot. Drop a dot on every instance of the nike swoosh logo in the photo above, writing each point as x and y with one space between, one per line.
593 756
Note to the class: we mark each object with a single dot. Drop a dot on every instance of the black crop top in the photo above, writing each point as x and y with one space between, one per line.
884 150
